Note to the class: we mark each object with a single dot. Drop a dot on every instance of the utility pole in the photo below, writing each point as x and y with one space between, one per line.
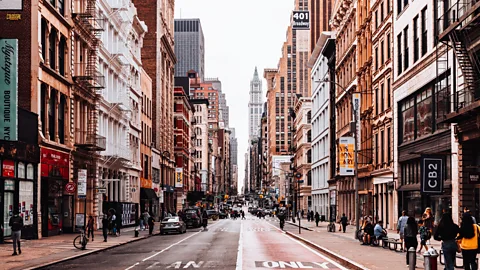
356 107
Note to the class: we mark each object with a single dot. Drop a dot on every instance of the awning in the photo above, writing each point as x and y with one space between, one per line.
147 194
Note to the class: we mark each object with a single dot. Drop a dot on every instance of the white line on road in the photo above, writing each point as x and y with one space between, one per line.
240 249
167 248
310 249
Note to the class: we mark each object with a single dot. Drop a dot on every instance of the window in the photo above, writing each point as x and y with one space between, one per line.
61 7
376 149
399 51
389 150
424 31
399 6
376 58
405 48
389 93
376 19
389 49
382 14
405 3
44 39
382 100
382 52
51 47
43 102
51 114
415 39
61 119
145 167
376 101
388 6
416 115
382 148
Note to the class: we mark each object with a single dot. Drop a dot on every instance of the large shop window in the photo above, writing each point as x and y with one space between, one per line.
416 116
26 202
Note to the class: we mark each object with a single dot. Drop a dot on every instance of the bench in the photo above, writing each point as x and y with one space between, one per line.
391 243
457 255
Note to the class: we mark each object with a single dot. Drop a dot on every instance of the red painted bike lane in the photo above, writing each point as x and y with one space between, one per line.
263 246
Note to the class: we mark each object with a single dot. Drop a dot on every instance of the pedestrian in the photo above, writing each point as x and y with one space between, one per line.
105 224
317 218
302 213
113 223
402 221
446 232
145 219
243 214
424 235
90 225
466 210
411 231
16 223
119 224
141 222
468 237
344 222
428 218
312 215
151 224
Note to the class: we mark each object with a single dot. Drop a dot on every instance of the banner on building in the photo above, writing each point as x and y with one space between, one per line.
356 110
82 184
432 168
179 177
346 147
11 5
301 20
8 88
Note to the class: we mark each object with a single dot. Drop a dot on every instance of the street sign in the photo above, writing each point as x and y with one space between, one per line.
70 188
301 181
301 20
432 174
346 149
102 190
82 183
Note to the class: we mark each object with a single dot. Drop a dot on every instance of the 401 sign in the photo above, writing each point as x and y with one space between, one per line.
301 20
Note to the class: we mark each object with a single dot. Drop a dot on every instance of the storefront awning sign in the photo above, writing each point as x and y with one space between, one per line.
82 184
432 174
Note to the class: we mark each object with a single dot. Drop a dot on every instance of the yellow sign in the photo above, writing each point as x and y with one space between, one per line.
179 177
145 183
346 148
14 17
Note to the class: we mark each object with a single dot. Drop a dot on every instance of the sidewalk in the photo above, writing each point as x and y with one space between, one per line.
37 253
346 246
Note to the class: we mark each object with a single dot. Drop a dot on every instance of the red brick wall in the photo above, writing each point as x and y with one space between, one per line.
22 30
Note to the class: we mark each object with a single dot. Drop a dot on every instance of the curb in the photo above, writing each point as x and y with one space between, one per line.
342 260
294 224
88 253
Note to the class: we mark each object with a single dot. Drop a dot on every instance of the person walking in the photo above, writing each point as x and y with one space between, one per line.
105 224
243 214
446 232
344 222
317 218
145 219
119 224
428 218
424 236
468 237
90 225
411 231
16 223
141 221
151 224
303 213
402 222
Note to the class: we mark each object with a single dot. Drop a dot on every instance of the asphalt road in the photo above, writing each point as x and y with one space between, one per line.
228 244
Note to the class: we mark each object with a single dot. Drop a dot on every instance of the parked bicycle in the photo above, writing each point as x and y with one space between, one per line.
81 241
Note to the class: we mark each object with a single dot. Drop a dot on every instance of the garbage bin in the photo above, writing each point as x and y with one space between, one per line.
322 218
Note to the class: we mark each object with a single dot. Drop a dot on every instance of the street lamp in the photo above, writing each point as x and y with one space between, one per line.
165 156
355 107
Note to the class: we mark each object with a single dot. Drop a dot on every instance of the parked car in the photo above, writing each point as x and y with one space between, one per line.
213 214
222 215
173 224
268 212
250 209
193 217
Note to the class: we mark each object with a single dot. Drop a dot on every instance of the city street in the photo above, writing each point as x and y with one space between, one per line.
228 244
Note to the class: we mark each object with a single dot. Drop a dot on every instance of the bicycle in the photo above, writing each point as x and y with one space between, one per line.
80 242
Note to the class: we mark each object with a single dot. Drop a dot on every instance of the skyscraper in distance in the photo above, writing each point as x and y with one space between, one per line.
255 107
189 47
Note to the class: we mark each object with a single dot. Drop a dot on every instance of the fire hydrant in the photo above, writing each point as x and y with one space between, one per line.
430 259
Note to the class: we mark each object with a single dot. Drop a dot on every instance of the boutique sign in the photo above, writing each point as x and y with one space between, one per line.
8 89
432 174
11 4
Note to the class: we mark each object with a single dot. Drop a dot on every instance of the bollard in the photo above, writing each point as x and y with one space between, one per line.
426 260
433 258
412 258
136 232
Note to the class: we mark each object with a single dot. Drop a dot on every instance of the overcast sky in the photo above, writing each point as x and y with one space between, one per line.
239 35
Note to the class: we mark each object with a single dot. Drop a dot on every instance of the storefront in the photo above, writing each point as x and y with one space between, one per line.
383 199
56 199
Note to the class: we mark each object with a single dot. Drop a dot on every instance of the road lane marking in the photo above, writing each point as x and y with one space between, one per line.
311 250
240 249
167 248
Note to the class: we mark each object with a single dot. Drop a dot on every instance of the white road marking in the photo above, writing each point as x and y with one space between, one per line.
167 248
311 250
240 250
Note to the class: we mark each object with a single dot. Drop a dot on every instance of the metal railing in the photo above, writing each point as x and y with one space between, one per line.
90 141
88 74
453 15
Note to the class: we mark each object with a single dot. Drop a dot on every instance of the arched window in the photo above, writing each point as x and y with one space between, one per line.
30 171
21 170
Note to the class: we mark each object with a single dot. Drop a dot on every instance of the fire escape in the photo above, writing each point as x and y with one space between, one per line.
456 30
89 81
